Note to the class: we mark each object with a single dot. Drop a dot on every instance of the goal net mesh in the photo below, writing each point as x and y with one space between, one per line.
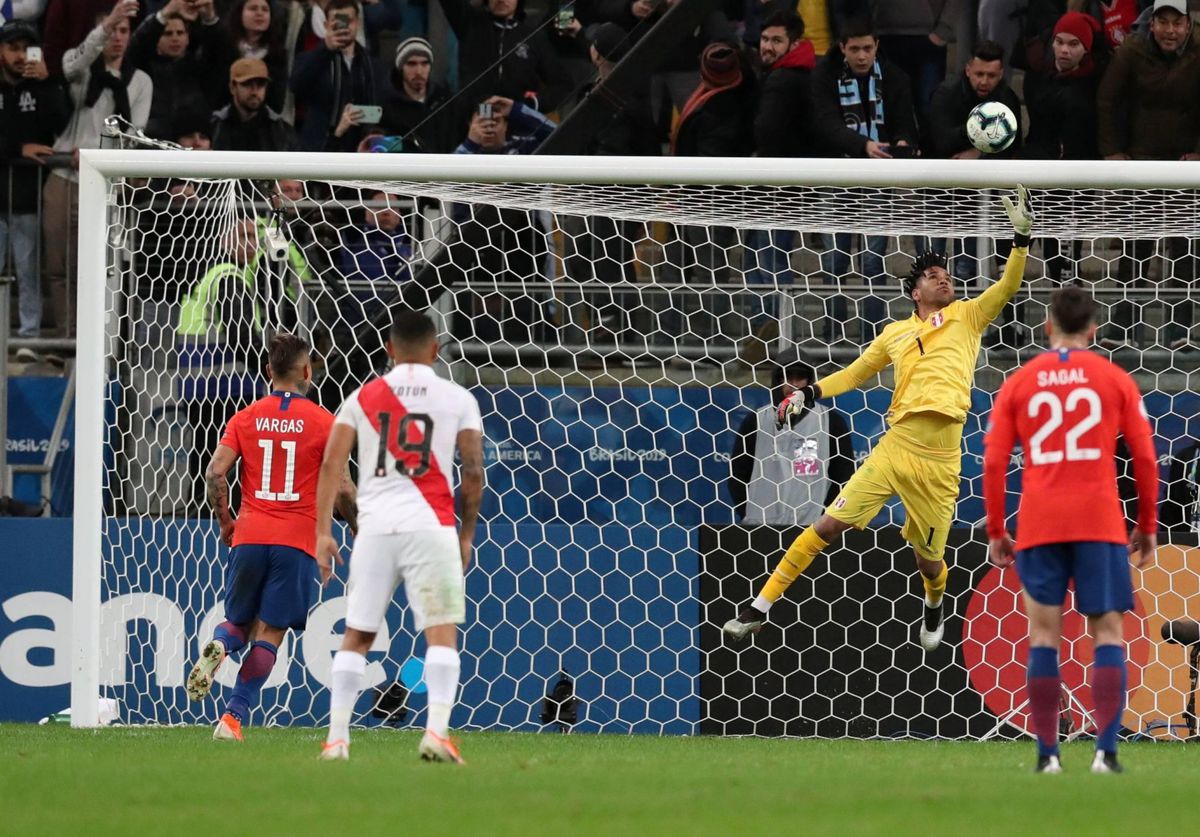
617 338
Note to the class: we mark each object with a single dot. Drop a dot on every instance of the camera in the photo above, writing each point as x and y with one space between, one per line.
275 243
485 110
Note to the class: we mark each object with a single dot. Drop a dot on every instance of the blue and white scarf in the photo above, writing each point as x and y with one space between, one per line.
864 118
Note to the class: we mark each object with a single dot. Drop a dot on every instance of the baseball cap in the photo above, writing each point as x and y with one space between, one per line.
19 30
1180 6
245 69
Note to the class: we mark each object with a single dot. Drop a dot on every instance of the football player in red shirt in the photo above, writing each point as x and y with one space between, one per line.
273 570
1066 407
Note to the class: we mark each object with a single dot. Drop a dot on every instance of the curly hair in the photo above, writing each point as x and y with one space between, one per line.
926 260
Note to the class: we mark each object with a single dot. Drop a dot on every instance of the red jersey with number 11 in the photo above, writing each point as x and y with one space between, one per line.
281 441
1066 409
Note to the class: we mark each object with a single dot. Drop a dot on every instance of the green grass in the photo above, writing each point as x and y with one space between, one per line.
146 781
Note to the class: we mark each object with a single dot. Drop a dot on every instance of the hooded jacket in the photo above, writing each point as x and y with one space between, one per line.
30 112
438 132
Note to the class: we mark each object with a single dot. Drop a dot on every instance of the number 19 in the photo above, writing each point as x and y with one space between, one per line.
422 449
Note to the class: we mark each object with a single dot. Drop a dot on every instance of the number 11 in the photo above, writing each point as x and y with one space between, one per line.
289 474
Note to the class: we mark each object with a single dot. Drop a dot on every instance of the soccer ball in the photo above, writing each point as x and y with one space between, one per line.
992 127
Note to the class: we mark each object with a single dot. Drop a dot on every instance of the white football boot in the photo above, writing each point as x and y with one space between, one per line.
200 680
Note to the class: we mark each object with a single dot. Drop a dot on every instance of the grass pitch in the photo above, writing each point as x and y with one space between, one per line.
147 781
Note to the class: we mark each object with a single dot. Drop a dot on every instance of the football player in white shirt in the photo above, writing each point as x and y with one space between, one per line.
407 425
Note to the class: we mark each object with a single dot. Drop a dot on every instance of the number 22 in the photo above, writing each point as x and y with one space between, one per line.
1074 453
423 448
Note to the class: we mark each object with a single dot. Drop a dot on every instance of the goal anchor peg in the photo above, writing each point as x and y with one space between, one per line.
560 706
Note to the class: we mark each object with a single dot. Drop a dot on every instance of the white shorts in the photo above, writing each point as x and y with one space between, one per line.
428 564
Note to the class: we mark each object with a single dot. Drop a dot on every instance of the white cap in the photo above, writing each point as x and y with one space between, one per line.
1180 6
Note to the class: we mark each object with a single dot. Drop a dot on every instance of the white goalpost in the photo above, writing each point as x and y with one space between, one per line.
617 319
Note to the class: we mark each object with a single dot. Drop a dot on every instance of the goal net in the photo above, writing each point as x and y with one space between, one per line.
621 322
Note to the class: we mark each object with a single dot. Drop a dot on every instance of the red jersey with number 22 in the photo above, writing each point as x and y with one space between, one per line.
281 441
1066 409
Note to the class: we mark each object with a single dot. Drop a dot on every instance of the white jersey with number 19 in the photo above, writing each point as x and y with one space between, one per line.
407 423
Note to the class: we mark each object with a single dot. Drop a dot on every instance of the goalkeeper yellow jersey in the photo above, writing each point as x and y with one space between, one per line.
934 359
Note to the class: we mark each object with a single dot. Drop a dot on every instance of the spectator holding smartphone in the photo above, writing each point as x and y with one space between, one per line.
103 83
66 24
333 81
35 109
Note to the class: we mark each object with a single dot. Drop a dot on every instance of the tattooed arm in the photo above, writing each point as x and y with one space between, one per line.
346 503
217 479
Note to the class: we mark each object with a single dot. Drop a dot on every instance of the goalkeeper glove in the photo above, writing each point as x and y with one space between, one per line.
1020 213
796 403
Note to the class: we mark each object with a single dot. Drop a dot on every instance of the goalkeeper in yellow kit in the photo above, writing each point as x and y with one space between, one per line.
919 458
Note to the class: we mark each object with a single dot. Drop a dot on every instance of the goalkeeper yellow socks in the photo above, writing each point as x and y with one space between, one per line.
795 561
935 588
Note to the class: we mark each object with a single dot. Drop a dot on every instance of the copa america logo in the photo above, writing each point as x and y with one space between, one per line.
508 451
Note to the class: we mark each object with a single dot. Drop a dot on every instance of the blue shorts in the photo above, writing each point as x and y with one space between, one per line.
1103 581
276 584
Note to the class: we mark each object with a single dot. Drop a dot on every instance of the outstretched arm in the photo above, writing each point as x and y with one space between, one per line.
869 364
991 301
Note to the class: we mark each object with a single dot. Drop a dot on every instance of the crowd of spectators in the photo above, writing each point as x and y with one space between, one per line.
768 78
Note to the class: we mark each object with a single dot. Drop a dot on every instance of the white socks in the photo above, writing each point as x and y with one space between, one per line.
441 677
348 670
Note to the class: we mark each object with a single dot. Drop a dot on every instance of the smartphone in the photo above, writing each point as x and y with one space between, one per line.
341 21
485 110
33 54
371 114
565 16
